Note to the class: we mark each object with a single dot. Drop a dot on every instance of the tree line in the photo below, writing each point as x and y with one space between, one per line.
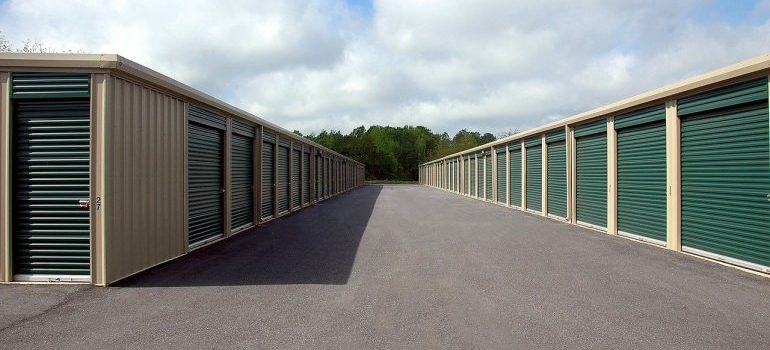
394 153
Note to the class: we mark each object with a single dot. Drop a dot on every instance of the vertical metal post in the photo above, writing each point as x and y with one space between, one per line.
99 113
544 176
257 181
673 178
507 176
276 166
570 153
291 176
228 209
523 177
612 177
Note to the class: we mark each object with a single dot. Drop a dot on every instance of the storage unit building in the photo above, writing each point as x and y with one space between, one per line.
108 168
686 166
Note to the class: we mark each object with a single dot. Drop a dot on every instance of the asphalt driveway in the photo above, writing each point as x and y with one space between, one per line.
405 267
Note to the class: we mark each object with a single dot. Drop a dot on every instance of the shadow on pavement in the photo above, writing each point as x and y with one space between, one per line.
316 245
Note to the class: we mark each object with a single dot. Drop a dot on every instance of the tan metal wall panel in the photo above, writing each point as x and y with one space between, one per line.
144 194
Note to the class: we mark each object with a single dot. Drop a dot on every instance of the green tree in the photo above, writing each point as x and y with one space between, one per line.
395 153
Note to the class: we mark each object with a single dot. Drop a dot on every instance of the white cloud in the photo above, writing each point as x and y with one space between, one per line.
487 65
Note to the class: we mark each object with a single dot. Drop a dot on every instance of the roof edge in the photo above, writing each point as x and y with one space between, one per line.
737 70
117 63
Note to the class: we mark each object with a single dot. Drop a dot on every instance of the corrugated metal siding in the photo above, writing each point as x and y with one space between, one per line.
557 178
50 85
205 178
244 129
731 96
267 206
643 116
515 174
51 159
726 177
242 181
296 173
203 116
591 178
592 128
534 177
144 149
488 162
283 179
306 178
641 160
502 179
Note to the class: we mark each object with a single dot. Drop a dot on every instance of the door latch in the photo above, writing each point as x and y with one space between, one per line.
768 197
85 203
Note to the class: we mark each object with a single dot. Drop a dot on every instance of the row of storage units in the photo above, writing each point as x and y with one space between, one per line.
108 168
686 167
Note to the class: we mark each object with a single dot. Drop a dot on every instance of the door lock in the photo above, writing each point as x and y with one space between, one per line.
85 203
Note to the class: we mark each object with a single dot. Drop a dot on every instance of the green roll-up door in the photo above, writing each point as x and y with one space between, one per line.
467 179
726 173
488 174
591 173
51 160
306 178
457 175
502 179
242 181
515 175
534 176
205 182
296 173
327 182
50 85
474 177
557 177
283 179
642 173
318 176
267 209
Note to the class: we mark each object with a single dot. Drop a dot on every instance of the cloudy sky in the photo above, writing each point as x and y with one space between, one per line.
486 65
